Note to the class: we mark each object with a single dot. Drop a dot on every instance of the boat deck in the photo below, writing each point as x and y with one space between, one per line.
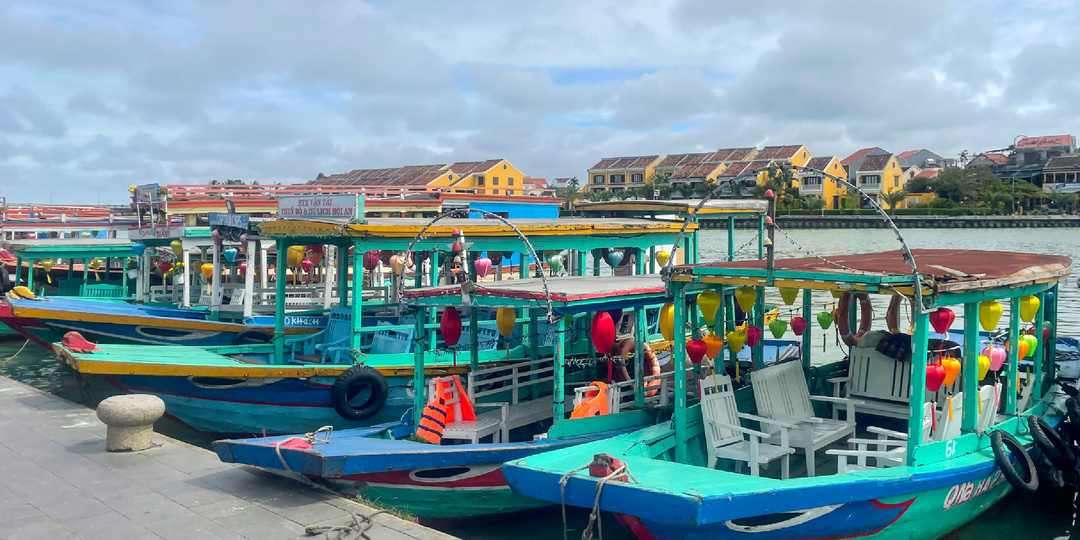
182 362
57 481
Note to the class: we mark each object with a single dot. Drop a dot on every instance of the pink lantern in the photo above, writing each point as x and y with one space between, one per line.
450 326
483 266
996 355
603 332
798 325
753 335
941 319
307 265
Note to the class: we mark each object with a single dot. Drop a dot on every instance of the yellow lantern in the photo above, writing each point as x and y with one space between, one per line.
47 265
983 367
746 296
667 321
96 265
735 340
207 270
506 320
714 344
989 315
662 258
1029 306
177 248
294 256
789 295
708 302
837 294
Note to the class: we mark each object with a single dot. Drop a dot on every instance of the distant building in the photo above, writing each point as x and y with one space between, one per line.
619 173
923 159
673 162
1062 175
1030 154
491 177
827 189
854 161
878 175
989 159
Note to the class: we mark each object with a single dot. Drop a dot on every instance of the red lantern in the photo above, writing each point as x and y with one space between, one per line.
935 376
450 326
798 325
941 319
384 256
753 335
242 268
371 260
164 266
696 349
603 332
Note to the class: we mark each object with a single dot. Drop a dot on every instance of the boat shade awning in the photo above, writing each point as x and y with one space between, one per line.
70 248
570 294
945 270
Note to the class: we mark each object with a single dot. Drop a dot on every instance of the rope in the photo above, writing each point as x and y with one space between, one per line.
562 495
594 516
310 438
25 343
360 525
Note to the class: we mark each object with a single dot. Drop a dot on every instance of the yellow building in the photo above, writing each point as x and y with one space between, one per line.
779 156
827 189
673 162
617 174
491 177
879 175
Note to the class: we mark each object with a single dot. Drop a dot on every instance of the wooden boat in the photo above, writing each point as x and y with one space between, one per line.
936 475
524 406
244 389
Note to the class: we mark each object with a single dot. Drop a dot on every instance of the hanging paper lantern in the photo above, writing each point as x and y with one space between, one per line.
293 256
798 325
177 247
207 270
778 328
555 263
935 376
825 319
164 267
714 344
1029 307
242 268
230 254
662 258
996 355
746 296
667 321
139 248
941 319
836 294
450 326
216 235
789 295
506 320
696 349
984 367
1023 348
1046 330
708 302
371 260
83 235
753 336
244 239
735 340
483 266
397 264
989 315
96 264
456 246
1032 342
384 255
603 332
47 265
615 257
305 265
952 369
495 256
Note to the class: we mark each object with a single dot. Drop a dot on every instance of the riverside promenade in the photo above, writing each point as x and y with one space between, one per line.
57 481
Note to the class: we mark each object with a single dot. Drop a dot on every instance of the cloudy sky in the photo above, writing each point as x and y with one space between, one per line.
96 96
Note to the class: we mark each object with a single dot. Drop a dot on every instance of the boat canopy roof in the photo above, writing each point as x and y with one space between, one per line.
570 294
942 270
735 207
485 234
70 248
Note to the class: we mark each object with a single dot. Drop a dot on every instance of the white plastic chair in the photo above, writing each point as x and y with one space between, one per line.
726 437
947 427
890 448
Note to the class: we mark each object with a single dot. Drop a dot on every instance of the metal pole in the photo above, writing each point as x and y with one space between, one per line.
807 299
558 407
418 362
279 303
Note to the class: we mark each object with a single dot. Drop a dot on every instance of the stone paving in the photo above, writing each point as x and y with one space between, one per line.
57 481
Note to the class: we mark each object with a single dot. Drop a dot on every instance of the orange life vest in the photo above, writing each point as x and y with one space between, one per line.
654 369
595 404
432 422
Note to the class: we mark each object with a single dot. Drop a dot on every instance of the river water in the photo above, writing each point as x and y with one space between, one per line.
1042 516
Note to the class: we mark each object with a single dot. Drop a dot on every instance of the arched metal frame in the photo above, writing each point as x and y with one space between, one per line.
464 213
919 305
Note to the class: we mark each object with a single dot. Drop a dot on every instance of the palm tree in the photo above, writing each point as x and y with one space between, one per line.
813 203
894 198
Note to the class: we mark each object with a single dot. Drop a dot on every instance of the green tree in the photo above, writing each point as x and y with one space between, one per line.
658 181
232 182
702 189
1066 202
894 198
813 203
571 192
685 190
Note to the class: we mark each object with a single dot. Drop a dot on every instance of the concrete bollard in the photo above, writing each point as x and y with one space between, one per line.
130 419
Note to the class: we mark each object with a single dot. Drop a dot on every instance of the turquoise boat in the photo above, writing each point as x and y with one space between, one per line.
287 385
892 452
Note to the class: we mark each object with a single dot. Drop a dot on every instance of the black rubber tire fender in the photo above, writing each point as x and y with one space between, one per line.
1050 443
1003 444
251 337
351 382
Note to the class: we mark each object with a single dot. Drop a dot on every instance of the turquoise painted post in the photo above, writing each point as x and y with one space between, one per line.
759 321
652 260
1014 338
918 385
85 274
279 303
731 238
678 355
433 281
474 340
1038 356
357 304
580 255
18 270
560 368
690 257
807 299
640 339
343 275
523 268
761 237
418 366
534 333
1050 313
853 313
696 243
596 263
970 369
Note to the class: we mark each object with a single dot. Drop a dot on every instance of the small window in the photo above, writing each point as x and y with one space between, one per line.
494 180
479 180
509 192
896 180
618 179
494 192
636 177
598 179
504 166
509 181
804 154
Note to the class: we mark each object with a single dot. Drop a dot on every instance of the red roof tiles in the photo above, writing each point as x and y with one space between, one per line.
725 155
736 168
876 162
777 152
1000 159
927 174
909 153
629 162
820 163
681 160
700 170
858 154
